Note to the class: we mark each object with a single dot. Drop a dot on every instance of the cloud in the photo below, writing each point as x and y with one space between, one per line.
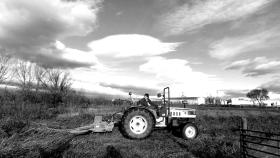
177 74
75 55
131 45
134 89
30 29
231 47
152 77
97 88
272 86
233 93
111 81
58 55
256 67
238 64
194 15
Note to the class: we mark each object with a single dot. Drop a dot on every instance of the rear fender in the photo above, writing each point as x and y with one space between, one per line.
150 111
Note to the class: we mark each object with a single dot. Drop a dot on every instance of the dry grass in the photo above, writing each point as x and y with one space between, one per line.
20 136
157 145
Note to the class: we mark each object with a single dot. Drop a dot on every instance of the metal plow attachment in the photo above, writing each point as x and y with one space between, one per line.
98 126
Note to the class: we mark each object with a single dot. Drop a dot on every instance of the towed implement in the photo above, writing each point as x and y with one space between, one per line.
138 122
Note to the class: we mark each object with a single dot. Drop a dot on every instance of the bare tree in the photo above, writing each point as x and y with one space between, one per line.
4 67
56 80
24 74
58 83
39 73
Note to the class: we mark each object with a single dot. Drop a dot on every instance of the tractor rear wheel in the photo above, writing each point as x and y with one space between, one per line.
189 131
137 123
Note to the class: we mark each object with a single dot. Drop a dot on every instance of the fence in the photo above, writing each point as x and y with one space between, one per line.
258 144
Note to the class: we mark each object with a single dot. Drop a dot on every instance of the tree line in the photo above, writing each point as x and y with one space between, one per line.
33 78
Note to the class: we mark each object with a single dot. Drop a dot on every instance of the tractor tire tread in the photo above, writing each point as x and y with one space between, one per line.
136 110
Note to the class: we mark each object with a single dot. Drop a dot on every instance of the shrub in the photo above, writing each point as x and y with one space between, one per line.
12 125
40 104
101 101
206 146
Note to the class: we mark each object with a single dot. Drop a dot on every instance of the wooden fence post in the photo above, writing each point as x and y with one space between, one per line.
244 123
243 127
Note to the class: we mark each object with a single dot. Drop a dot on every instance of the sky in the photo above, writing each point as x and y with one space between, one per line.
196 47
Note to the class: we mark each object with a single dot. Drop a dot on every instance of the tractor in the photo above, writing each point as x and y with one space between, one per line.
138 122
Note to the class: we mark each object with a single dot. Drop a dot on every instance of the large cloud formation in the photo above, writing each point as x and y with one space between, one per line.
29 29
273 85
256 67
234 46
233 93
194 15
112 82
178 74
134 89
120 48
131 45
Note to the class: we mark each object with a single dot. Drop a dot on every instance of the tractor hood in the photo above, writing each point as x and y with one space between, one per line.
182 112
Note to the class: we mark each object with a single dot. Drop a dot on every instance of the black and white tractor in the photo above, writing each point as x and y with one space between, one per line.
138 122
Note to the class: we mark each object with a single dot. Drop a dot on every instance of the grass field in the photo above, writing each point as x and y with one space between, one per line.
218 135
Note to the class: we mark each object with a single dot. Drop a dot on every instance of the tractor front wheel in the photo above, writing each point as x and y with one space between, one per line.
137 123
189 131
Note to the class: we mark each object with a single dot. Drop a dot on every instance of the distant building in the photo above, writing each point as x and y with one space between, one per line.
242 101
193 100
248 101
176 100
